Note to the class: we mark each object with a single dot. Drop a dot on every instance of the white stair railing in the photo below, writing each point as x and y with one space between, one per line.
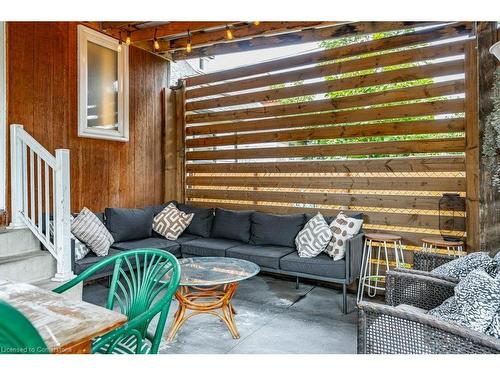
40 195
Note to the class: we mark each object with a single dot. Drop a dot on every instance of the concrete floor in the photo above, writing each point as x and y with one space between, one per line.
272 317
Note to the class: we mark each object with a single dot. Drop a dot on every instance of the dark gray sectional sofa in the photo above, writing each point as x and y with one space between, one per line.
265 239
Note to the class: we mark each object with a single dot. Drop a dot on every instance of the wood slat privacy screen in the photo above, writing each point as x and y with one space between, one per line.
373 125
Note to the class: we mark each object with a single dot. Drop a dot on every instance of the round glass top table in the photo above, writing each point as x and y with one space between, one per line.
207 286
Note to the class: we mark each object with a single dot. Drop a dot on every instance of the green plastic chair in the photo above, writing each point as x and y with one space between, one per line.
136 284
17 334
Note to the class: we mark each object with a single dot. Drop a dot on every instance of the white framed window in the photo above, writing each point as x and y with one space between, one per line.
102 86
3 114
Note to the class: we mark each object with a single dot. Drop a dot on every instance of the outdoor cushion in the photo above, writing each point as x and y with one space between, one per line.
90 230
314 238
494 328
150 243
321 265
91 259
343 228
171 222
185 237
279 230
265 256
232 225
475 303
126 224
127 345
461 267
208 247
201 225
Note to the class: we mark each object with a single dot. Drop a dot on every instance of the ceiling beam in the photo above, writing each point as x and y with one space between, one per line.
204 38
305 36
173 29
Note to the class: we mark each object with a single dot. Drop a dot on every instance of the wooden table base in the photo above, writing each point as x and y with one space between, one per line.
205 300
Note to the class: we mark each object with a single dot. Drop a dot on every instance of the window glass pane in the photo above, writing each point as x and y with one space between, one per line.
102 90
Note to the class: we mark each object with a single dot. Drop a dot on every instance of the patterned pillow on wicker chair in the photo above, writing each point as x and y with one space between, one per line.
171 222
461 267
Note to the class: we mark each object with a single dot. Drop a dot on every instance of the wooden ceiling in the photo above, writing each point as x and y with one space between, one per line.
210 38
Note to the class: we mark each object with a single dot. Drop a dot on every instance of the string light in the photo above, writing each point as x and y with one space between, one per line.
229 34
156 44
189 48
256 23
127 41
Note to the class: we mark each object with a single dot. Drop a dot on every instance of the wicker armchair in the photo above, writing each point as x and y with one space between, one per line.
387 329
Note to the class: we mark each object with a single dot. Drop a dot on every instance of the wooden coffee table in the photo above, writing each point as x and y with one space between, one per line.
207 286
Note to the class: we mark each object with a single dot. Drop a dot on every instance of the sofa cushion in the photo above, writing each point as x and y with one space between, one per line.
150 243
185 237
127 224
279 230
343 228
265 256
92 232
313 238
201 225
171 222
232 225
321 265
208 247
91 259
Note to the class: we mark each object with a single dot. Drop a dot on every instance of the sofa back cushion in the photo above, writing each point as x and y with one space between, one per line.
279 230
201 225
127 224
233 225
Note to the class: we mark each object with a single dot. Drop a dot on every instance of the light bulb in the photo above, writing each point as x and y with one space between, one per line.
229 33
188 47
256 23
127 41
156 44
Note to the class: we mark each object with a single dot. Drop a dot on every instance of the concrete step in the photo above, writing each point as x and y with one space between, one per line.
74 293
28 267
17 242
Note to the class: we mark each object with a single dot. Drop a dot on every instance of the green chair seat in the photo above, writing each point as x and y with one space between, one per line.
140 289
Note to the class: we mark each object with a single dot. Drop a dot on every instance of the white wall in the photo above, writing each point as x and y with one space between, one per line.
3 114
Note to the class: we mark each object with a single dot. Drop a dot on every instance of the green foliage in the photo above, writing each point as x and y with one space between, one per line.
491 145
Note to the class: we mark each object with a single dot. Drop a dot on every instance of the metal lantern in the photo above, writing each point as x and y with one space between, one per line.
451 220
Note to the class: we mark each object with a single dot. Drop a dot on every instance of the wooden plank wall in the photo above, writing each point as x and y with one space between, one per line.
42 96
288 147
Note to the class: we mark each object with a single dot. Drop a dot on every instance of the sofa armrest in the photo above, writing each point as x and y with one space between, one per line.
425 261
417 289
389 330
353 257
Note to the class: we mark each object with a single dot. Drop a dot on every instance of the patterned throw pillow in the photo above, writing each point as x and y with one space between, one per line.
81 250
494 328
91 231
475 303
343 227
171 222
461 267
313 238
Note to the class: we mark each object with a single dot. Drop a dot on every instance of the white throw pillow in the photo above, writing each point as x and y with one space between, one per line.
91 231
342 227
313 238
81 250
461 267
171 222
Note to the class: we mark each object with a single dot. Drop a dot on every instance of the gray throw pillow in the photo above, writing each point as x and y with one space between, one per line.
278 230
201 225
461 267
475 303
232 225
91 231
127 224
314 238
